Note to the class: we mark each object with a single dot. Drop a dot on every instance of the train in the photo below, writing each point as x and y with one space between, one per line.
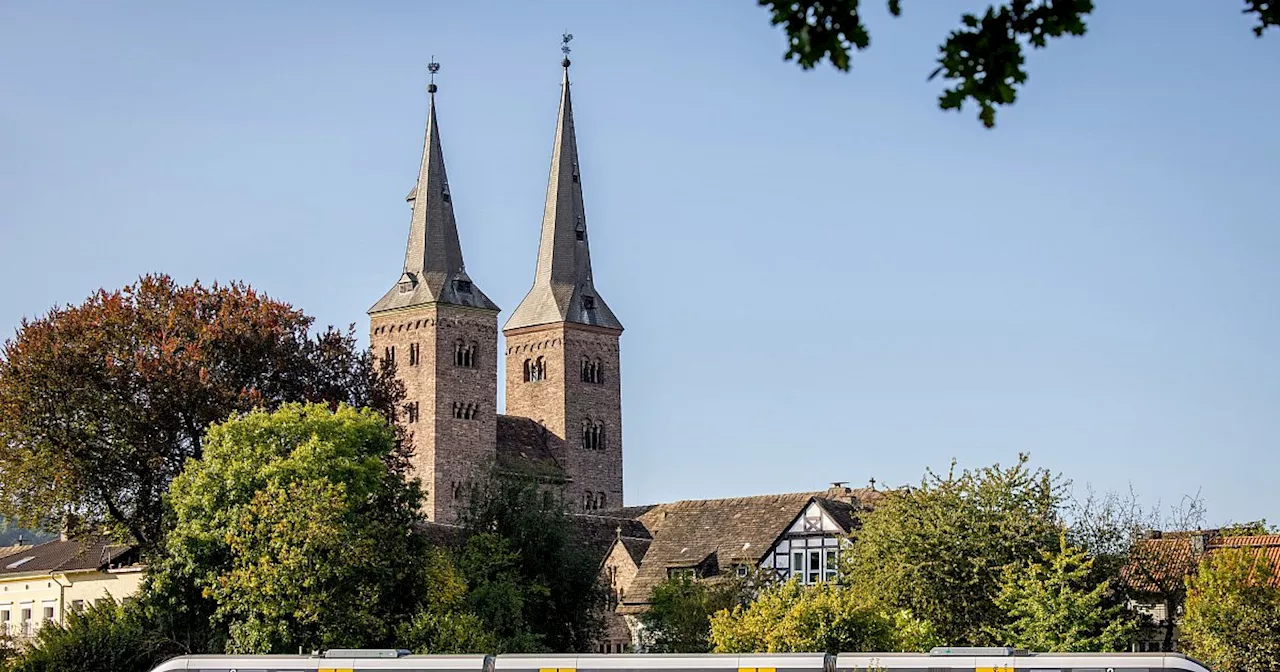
946 659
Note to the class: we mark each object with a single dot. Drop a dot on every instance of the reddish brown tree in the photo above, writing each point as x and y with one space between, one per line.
101 404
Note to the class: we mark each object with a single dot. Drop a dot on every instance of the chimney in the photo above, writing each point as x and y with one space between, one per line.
1154 534
1198 544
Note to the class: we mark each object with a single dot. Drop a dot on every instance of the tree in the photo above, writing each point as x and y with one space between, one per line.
1232 620
102 404
939 550
1055 605
826 617
442 624
530 579
292 531
1147 566
983 59
679 616
106 637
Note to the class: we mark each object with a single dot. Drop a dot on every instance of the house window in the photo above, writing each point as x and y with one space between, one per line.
815 565
411 411
599 500
414 357
582 235
26 614
465 411
797 565
535 369
48 614
830 569
588 302
77 606
592 370
464 354
682 573
444 194
742 571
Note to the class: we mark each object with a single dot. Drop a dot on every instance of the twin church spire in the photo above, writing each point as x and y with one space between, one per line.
433 268
434 272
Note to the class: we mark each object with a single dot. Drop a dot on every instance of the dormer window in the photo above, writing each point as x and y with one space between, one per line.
444 194
582 235
462 286
689 573
588 302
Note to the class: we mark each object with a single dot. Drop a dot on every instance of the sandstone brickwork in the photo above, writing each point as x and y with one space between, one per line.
447 357
584 416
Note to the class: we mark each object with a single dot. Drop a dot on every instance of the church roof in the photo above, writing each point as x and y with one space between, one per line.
563 289
523 449
433 268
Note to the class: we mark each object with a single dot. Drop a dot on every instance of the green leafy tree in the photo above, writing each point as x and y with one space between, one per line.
101 404
1252 528
679 616
982 60
292 531
1055 605
106 637
443 624
530 579
1232 620
939 550
826 617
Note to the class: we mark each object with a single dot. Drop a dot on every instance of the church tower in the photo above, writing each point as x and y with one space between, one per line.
562 340
442 333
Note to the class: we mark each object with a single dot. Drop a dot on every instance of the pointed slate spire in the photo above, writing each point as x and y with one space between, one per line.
433 268
562 286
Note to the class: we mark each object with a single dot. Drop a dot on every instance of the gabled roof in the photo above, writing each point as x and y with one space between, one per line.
563 288
84 553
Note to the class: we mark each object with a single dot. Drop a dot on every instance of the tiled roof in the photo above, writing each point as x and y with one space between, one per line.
523 448
1172 556
636 548
717 533
10 550
79 554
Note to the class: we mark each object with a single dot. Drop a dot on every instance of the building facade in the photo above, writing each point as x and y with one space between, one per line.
43 583
561 368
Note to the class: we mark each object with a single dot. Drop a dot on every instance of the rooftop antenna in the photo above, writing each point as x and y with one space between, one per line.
565 39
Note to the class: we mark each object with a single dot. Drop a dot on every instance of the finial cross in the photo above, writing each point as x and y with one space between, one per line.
433 68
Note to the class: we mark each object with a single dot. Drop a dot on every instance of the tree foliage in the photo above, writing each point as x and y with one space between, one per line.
531 581
830 617
679 616
939 550
1056 605
101 404
443 624
1232 620
982 60
106 637
292 531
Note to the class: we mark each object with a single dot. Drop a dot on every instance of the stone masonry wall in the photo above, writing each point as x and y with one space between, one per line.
449 453
563 402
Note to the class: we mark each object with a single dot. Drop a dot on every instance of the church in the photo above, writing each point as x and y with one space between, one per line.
563 421
560 364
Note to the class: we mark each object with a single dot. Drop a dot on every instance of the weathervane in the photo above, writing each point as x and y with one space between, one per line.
432 68
564 47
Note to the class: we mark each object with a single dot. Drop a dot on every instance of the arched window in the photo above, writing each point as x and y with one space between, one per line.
599 500
539 369
586 501
592 435
528 370
592 370
464 354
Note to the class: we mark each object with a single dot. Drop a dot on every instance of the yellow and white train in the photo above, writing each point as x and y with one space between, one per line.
938 660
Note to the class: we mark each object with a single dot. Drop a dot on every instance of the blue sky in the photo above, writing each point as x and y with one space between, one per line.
823 276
